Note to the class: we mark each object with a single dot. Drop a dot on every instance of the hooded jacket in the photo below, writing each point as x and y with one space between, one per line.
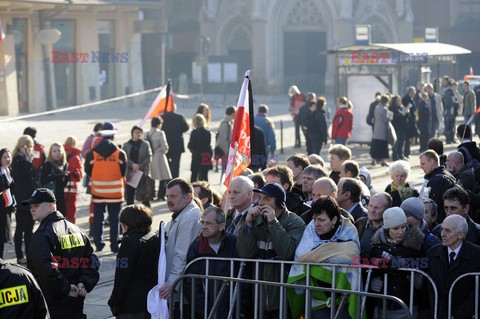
296 202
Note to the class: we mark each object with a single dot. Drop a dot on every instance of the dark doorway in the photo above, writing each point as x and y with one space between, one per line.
305 60
151 57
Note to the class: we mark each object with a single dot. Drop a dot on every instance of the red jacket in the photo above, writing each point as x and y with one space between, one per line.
342 124
74 169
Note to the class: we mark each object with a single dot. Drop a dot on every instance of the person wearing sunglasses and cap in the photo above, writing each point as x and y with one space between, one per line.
60 257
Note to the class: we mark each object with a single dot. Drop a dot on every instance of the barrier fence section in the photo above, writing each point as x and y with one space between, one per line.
476 275
235 278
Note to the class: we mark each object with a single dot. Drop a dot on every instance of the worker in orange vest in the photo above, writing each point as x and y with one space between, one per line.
106 166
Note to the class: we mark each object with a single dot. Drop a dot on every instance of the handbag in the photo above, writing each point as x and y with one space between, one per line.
392 135
146 189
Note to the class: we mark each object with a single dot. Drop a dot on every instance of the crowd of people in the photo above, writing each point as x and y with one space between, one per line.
421 114
301 210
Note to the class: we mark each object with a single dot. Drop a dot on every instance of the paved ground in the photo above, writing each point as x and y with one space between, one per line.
79 123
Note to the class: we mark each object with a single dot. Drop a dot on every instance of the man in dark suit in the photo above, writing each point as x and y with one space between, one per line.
174 125
349 196
447 262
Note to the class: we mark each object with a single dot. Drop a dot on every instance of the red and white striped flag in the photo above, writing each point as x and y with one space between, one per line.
471 71
163 103
240 151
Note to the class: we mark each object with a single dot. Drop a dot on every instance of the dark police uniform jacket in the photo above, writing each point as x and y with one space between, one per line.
60 255
20 295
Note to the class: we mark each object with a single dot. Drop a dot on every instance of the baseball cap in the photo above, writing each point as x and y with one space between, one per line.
40 195
108 129
274 190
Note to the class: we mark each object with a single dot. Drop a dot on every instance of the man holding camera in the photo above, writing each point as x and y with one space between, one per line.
270 231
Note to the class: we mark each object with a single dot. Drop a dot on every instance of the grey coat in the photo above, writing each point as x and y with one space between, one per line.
160 167
469 103
381 118
181 232
144 158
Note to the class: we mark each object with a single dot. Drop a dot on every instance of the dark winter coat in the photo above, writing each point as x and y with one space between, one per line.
439 181
57 242
52 172
200 248
174 125
472 149
317 126
412 130
398 281
199 145
135 273
424 115
444 274
296 202
466 178
24 176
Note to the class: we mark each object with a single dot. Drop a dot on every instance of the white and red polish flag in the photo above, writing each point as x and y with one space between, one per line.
163 103
240 151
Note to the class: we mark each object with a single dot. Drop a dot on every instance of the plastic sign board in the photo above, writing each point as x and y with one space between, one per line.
362 34
431 34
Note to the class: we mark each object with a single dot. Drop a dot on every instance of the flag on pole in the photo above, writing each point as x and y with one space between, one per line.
471 71
239 154
157 306
163 103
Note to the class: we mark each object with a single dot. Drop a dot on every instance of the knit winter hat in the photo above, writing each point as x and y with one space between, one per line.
394 217
413 206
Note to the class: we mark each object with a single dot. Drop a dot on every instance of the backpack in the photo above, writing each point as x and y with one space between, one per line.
474 165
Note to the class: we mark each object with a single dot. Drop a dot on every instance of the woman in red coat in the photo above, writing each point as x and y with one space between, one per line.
74 176
342 124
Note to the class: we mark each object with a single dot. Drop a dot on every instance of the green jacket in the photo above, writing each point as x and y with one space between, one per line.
278 240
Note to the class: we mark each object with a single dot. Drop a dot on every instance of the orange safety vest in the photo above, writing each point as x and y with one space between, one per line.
107 181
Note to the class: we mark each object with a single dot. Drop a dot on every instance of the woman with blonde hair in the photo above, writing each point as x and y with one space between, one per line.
200 146
23 174
74 162
55 174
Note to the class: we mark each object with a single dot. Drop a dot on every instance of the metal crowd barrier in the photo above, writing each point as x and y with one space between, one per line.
476 274
233 280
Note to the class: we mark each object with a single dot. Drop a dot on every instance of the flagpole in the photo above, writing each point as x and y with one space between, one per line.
169 83
232 171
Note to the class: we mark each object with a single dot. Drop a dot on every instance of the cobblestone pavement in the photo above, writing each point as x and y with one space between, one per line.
80 123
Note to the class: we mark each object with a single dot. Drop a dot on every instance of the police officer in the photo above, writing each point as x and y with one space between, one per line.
20 295
60 257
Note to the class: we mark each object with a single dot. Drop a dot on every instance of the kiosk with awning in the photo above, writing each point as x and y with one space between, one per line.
362 70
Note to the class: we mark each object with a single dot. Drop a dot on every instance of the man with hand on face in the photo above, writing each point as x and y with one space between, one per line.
270 231
60 257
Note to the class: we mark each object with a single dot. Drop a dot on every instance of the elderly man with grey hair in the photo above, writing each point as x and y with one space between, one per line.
309 175
399 188
240 198
448 261
463 174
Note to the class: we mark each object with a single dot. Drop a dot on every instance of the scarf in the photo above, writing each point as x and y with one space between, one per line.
7 195
404 191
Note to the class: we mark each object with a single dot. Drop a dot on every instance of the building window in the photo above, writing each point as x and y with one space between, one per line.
65 73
